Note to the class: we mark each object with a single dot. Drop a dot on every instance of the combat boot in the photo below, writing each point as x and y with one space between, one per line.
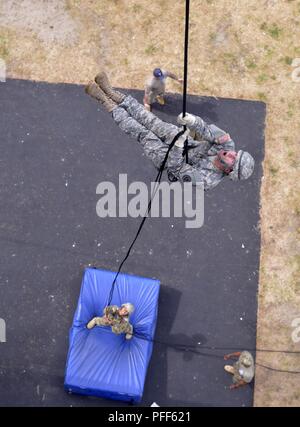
91 324
102 80
160 99
95 92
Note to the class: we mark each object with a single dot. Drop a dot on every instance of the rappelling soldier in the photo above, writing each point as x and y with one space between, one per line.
211 155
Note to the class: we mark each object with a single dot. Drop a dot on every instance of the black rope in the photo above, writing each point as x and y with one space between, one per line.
188 347
270 368
197 349
161 169
185 73
186 53
157 181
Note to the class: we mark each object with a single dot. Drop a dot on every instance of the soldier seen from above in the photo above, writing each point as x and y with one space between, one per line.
117 318
156 87
211 155
243 370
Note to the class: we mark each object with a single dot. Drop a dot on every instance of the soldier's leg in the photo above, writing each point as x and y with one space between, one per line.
160 98
129 332
165 131
153 147
97 321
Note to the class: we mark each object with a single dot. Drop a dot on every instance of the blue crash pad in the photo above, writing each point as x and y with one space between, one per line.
99 362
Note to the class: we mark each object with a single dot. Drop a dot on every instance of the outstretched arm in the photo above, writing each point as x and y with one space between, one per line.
219 139
173 76
230 355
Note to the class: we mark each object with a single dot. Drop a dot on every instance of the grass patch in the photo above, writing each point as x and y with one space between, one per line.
151 49
287 60
293 161
262 78
297 50
269 51
212 37
273 170
251 65
136 8
262 96
291 108
273 30
4 52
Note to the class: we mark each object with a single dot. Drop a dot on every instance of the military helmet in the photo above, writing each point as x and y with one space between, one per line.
243 166
157 72
129 307
246 359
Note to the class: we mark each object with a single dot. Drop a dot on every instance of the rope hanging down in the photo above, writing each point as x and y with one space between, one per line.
157 181
162 167
185 74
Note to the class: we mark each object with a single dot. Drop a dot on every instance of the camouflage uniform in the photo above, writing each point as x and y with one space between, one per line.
157 86
155 135
241 372
119 324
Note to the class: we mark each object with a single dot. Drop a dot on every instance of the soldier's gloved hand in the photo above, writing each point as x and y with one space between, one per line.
187 120
181 140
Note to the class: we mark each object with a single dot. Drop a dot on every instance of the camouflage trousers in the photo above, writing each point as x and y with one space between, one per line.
117 327
152 133
154 94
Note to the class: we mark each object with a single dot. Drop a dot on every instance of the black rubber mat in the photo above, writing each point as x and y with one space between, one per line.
56 146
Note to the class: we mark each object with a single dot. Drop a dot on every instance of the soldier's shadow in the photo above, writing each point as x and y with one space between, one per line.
157 377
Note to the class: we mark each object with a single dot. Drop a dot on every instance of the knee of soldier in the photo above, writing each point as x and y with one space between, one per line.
147 139
128 101
119 114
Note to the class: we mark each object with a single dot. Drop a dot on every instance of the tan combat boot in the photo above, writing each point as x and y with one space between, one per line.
95 92
160 99
102 80
91 324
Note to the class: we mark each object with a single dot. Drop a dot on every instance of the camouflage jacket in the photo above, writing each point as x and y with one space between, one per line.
155 136
200 168
119 324
242 373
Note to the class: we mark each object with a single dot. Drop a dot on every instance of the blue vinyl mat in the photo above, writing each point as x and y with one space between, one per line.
101 363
